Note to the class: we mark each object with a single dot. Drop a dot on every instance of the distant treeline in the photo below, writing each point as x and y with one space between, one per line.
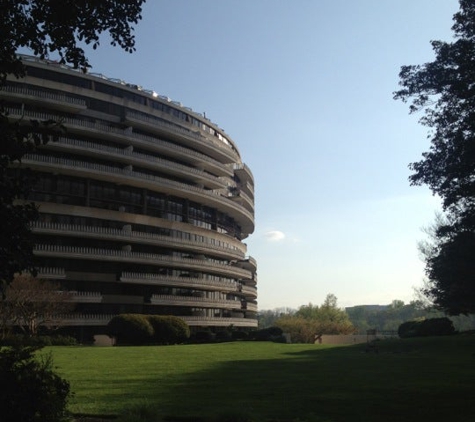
380 317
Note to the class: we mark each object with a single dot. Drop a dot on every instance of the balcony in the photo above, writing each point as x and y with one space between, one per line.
133 237
102 130
142 180
184 282
51 273
214 148
60 102
128 157
193 301
192 321
85 297
112 255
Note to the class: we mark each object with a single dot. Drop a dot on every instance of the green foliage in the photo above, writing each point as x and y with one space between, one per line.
168 329
44 27
31 390
426 328
445 90
311 320
266 334
130 329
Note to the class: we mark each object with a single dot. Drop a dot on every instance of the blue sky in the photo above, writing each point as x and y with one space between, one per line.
305 88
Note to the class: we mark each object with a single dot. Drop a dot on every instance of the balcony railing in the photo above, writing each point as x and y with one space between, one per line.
133 236
144 160
163 280
43 95
127 137
51 272
194 321
132 175
196 136
141 257
202 302
85 297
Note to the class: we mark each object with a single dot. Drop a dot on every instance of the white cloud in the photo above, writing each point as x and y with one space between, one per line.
274 236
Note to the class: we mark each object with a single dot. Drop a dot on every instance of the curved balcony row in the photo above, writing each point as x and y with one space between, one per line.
129 157
191 283
192 321
142 180
134 237
75 252
214 148
85 297
51 272
202 302
59 101
102 130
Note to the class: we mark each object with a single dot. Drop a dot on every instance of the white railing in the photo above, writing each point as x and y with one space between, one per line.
131 235
126 135
160 181
103 319
196 301
196 136
100 254
51 272
141 159
44 95
225 286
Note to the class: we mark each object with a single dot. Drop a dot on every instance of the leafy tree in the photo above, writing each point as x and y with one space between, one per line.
31 303
61 27
445 90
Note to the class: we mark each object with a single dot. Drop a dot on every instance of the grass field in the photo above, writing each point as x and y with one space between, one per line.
430 379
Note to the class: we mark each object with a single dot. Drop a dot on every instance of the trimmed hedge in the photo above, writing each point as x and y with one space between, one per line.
426 328
267 334
138 329
130 329
168 329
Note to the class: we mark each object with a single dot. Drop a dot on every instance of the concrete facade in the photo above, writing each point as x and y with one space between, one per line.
144 204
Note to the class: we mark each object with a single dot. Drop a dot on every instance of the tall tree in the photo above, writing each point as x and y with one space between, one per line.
61 27
445 90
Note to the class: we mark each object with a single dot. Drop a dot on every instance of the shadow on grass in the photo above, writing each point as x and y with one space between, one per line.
403 382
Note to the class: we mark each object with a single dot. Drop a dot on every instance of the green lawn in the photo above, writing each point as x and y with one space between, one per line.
430 379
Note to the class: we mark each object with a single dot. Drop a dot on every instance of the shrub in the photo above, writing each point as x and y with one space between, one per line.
266 334
204 337
31 391
130 329
224 336
239 335
427 327
168 329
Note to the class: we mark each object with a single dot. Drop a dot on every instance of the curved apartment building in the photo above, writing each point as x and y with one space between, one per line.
144 204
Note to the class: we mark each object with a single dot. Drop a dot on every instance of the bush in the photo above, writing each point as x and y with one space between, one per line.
239 335
224 336
427 327
204 337
130 329
168 329
31 391
266 334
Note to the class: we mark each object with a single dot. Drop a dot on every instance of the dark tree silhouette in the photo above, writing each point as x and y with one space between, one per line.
445 90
